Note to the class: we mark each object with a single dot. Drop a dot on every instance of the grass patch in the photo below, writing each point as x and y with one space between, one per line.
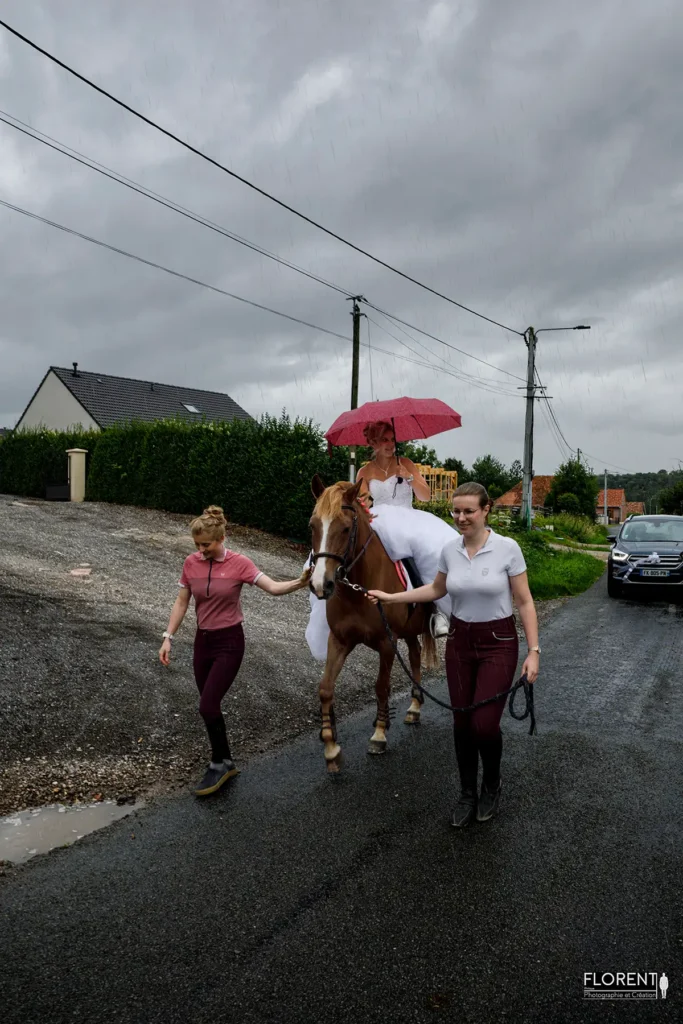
558 573
578 528
574 545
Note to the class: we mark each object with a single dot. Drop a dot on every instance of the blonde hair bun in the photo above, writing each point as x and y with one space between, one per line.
212 522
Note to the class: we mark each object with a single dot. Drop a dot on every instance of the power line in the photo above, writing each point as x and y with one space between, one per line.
167 270
429 351
372 390
444 369
447 344
108 172
203 284
245 181
417 362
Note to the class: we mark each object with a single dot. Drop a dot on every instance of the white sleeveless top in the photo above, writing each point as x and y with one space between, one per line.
391 492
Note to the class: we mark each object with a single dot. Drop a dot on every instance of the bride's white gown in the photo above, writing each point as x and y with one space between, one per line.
405 532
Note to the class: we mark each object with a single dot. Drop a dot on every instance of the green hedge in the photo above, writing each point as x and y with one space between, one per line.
260 473
34 458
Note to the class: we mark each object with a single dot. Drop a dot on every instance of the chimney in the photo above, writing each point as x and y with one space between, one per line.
75 366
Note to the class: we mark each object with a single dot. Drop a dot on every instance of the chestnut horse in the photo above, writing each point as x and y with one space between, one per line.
347 553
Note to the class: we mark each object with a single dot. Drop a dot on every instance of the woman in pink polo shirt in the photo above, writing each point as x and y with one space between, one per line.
214 577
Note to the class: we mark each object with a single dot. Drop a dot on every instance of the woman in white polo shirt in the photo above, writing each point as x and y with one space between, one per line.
482 572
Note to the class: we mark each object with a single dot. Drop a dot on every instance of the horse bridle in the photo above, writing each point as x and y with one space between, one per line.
345 567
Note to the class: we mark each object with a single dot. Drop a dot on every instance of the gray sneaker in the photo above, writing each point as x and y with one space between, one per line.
465 810
488 803
215 777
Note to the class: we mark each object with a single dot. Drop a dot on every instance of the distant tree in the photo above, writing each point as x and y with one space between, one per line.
419 453
491 472
464 474
671 500
495 491
516 472
572 478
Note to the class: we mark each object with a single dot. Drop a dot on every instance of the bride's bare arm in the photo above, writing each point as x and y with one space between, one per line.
419 484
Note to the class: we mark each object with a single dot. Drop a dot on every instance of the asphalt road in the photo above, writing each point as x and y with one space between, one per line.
295 898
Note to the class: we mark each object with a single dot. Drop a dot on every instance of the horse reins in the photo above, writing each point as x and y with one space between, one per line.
418 690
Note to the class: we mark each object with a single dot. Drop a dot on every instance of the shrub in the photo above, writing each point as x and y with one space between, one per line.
569 503
441 508
32 459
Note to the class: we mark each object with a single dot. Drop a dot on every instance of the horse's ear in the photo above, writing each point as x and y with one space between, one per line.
317 486
352 494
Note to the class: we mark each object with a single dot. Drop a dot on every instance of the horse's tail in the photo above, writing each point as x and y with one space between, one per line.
430 651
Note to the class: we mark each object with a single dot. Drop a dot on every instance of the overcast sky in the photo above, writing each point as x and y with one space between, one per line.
524 158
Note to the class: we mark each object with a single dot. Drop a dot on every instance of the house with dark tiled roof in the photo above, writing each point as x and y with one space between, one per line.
67 398
512 499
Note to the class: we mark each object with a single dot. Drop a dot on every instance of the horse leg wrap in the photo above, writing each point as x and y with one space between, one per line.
383 718
329 722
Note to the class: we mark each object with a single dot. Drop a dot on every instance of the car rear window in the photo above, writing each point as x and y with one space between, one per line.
645 531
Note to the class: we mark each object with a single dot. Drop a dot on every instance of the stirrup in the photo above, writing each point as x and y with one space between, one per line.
439 625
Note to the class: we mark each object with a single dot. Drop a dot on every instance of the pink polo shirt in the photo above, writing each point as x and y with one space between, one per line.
215 584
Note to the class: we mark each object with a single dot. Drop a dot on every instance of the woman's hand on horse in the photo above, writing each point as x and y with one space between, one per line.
305 577
378 595
165 653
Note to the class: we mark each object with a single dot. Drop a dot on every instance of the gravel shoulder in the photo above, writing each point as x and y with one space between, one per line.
85 707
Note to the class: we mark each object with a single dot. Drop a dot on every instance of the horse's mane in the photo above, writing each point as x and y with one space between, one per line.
329 504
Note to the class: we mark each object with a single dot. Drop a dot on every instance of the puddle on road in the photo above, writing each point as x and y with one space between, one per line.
27 833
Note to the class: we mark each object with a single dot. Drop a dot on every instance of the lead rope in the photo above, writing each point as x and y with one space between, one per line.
522 682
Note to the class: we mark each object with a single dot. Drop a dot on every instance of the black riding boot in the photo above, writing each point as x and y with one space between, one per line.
220 749
490 749
468 763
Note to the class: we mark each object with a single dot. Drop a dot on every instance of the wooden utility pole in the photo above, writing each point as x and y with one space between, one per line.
355 369
528 471
604 495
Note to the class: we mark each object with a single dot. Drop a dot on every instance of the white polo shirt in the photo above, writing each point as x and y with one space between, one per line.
479 587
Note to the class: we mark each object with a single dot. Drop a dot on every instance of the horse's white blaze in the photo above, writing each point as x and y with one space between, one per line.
318 577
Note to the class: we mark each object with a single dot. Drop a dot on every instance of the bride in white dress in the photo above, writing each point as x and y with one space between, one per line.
405 532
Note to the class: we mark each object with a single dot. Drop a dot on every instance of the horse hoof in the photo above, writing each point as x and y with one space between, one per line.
334 765
412 718
377 747
332 751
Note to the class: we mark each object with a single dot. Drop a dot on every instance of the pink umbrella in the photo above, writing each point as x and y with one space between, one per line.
411 418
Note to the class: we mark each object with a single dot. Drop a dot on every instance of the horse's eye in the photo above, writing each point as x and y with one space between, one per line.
347 529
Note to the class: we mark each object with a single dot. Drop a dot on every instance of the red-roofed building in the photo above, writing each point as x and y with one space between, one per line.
616 504
512 499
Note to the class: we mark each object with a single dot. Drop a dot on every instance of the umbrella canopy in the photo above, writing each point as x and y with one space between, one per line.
412 418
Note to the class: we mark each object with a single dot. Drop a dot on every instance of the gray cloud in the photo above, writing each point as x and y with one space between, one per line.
523 158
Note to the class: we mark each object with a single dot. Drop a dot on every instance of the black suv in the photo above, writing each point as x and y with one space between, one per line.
648 551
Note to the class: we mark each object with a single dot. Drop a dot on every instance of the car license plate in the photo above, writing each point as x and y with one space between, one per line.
655 572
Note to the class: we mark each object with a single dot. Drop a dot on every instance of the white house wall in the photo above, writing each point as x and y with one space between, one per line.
53 406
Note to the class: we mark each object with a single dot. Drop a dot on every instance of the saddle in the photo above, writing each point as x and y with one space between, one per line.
407 570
